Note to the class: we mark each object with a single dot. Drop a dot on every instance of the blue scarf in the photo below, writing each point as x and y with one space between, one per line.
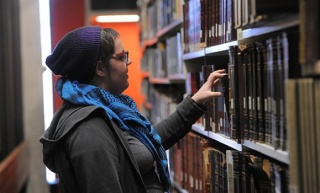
123 111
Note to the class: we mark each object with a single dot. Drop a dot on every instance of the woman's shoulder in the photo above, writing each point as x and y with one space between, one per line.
73 117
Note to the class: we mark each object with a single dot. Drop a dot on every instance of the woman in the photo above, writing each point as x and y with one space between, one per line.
98 141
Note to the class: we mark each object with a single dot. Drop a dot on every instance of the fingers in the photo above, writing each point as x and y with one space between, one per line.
217 94
216 81
217 74
215 77
221 71
206 92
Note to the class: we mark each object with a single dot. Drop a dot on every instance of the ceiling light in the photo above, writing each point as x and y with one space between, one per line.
116 18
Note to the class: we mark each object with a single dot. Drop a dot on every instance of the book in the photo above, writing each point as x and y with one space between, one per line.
225 84
244 88
244 172
191 162
185 8
282 64
301 103
230 172
172 58
178 165
207 175
236 115
311 132
241 92
252 83
259 178
215 170
257 12
200 145
317 125
304 135
185 155
273 58
237 14
278 177
222 110
260 105
292 109
210 115
232 83
309 36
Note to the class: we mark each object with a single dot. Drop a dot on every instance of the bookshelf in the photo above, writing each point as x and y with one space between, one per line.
272 62
285 22
14 150
162 56
193 55
219 49
13 171
199 129
276 154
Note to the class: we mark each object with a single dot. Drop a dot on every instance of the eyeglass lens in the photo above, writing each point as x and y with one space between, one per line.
126 56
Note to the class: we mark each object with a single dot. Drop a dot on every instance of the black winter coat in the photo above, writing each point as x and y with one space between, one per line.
90 153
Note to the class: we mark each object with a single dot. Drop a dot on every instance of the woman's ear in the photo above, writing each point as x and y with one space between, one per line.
100 68
99 75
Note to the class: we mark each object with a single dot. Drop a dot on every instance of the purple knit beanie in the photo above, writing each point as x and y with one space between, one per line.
76 54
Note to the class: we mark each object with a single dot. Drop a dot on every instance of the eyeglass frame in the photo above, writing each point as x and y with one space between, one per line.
119 55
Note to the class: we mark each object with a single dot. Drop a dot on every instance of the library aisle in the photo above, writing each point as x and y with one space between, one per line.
262 134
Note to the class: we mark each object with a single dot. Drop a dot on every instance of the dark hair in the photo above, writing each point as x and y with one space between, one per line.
107 45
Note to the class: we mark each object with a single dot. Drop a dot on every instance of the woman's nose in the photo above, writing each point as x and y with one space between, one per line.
129 62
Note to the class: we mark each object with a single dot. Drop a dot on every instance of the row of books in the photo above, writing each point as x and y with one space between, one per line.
259 70
252 13
253 101
303 107
154 61
165 59
164 99
309 54
207 23
200 166
145 90
212 22
157 15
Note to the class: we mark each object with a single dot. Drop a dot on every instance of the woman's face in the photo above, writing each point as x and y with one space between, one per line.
117 73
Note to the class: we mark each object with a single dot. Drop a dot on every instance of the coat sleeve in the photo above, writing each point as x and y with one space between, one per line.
93 154
179 123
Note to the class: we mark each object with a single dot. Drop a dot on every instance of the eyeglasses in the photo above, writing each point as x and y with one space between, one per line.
123 56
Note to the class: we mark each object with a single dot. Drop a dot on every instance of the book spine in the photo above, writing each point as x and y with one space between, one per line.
232 86
261 52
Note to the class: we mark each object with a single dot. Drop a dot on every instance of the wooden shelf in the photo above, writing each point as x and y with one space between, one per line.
14 169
